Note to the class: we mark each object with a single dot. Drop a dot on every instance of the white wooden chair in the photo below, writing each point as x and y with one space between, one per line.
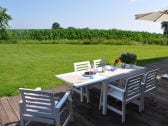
82 66
83 91
150 83
42 106
97 63
130 92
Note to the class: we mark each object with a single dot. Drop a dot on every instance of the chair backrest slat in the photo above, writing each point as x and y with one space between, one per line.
36 96
150 80
38 103
133 87
38 109
37 100
79 66
97 63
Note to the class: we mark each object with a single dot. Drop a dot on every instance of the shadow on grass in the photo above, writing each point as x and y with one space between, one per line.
148 61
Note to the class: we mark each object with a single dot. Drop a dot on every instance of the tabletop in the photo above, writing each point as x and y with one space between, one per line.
78 79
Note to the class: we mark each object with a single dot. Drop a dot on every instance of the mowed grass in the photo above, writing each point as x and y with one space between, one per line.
34 65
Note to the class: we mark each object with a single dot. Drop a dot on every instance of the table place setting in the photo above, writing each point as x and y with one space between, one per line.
74 78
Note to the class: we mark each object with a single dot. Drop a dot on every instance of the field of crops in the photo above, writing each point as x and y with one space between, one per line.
34 65
86 36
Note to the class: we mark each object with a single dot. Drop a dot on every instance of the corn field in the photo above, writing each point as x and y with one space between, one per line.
93 36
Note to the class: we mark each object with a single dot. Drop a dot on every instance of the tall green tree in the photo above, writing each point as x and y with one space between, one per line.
56 25
164 26
4 18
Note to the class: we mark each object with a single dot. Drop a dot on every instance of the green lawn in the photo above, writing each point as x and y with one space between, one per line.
32 65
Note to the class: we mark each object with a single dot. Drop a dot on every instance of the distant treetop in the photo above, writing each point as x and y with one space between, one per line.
55 25
4 18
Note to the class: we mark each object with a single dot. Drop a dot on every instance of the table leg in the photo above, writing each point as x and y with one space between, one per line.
141 108
104 104
81 94
87 95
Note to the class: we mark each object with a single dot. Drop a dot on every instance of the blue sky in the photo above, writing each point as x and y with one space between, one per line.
99 14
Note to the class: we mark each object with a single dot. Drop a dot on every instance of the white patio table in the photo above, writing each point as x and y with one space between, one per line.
77 79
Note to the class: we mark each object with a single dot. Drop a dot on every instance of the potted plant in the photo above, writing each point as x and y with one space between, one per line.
128 58
116 62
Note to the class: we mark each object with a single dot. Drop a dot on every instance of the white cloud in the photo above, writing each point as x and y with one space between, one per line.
132 0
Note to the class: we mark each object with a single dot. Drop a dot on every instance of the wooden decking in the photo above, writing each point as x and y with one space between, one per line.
155 114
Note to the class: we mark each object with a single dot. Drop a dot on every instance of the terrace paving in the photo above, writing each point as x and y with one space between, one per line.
154 114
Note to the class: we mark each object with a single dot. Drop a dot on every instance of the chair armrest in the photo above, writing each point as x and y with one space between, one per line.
116 88
63 99
114 82
38 89
118 83
20 102
21 107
